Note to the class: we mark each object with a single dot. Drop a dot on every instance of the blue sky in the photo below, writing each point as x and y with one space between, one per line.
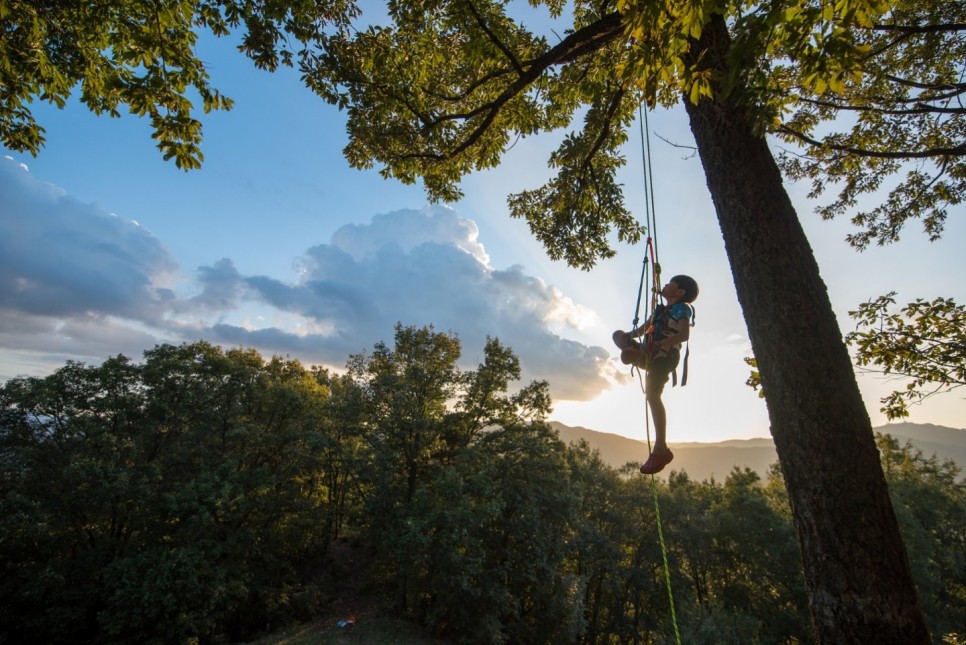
277 244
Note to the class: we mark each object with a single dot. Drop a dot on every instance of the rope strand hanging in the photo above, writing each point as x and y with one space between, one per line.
649 206
650 221
652 288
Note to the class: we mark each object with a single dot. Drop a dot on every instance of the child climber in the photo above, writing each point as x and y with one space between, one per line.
671 327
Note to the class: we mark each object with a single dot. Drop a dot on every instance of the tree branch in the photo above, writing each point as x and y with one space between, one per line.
953 88
920 29
581 42
496 41
920 107
605 128
954 151
483 80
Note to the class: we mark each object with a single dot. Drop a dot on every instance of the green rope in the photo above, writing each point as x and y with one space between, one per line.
667 568
660 524
651 219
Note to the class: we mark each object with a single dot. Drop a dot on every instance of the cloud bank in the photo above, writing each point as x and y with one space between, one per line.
80 283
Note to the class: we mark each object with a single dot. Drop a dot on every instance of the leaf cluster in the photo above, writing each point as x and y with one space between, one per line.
925 342
142 56
894 129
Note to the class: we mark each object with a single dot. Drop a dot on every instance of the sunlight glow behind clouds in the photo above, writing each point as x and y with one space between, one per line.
81 283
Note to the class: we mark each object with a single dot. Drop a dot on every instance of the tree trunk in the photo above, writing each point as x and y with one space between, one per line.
859 584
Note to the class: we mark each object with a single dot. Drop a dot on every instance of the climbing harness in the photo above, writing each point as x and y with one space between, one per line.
655 273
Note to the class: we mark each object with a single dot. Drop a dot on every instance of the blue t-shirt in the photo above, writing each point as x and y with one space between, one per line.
678 311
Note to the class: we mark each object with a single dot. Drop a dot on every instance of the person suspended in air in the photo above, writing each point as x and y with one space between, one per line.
659 354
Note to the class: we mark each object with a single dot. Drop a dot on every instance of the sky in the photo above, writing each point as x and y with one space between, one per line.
277 244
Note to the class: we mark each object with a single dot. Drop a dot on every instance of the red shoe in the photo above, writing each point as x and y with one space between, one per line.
656 462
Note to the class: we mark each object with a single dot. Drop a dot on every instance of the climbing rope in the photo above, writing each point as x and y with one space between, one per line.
650 209
660 525
653 289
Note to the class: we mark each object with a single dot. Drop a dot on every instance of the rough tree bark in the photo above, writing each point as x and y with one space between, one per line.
857 573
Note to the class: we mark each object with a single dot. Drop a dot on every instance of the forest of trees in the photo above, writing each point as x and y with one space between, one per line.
198 495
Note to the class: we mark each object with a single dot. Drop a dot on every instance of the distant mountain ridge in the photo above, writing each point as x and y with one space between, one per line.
706 460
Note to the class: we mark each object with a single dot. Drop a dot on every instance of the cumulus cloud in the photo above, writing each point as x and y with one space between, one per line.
222 289
419 268
75 277
409 229
61 257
